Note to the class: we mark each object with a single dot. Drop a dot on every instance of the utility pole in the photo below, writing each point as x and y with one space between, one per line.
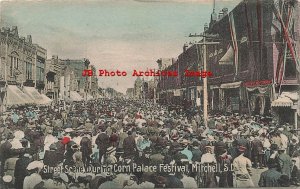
205 91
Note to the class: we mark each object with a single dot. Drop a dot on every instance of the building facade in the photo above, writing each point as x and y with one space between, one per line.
41 57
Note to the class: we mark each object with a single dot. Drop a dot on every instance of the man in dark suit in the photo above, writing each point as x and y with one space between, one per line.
270 177
129 145
102 142
20 170
86 149
257 152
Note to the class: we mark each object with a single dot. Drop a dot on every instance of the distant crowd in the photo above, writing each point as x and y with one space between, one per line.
74 146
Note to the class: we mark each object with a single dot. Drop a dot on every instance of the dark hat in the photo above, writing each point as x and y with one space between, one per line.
75 146
272 163
274 146
52 147
284 181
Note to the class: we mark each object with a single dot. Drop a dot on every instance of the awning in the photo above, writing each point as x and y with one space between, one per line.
46 100
214 87
14 96
291 95
282 102
34 94
228 57
231 85
74 96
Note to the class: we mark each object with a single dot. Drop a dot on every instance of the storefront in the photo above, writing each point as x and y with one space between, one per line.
214 98
230 97
286 108
259 97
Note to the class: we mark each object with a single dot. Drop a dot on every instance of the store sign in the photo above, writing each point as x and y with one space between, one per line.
257 83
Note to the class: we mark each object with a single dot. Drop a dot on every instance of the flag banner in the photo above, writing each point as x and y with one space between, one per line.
234 41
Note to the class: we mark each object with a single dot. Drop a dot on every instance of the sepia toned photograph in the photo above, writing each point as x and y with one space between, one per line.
104 94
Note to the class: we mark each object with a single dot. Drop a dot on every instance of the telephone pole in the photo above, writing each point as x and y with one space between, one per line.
204 43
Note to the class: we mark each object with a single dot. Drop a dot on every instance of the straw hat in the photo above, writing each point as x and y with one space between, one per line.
68 130
19 134
7 178
34 165
110 150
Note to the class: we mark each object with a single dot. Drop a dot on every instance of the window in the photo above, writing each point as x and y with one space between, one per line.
28 70
11 65
290 69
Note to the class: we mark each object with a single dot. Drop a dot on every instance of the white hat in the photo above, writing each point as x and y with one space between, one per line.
110 150
7 178
68 130
34 165
234 131
19 134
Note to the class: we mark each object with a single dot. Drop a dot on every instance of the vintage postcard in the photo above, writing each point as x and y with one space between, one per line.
98 94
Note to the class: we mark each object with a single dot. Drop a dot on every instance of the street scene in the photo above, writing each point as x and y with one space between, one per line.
149 94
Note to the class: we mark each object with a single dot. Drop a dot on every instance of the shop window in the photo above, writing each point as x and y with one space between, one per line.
290 69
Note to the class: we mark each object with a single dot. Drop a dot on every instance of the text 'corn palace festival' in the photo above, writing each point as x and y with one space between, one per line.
149 94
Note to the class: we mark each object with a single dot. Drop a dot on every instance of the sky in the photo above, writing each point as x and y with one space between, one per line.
113 34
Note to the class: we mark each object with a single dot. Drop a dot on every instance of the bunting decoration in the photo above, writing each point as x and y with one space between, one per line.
234 41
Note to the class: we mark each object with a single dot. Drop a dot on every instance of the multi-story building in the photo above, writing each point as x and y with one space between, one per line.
255 62
180 89
41 57
138 88
19 60
75 86
248 65
53 70
130 92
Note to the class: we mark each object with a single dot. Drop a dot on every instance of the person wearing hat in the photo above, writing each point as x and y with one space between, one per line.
7 182
129 145
58 181
34 177
208 156
185 144
102 142
5 148
49 139
89 126
51 157
196 152
257 152
270 177
86 149
285 162
71 148
242 170
111 156
20 169
10 165
77 156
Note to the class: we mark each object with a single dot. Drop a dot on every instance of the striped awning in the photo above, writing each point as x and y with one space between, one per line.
282 102
228 57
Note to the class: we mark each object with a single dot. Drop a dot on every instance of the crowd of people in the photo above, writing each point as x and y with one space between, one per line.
118 143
